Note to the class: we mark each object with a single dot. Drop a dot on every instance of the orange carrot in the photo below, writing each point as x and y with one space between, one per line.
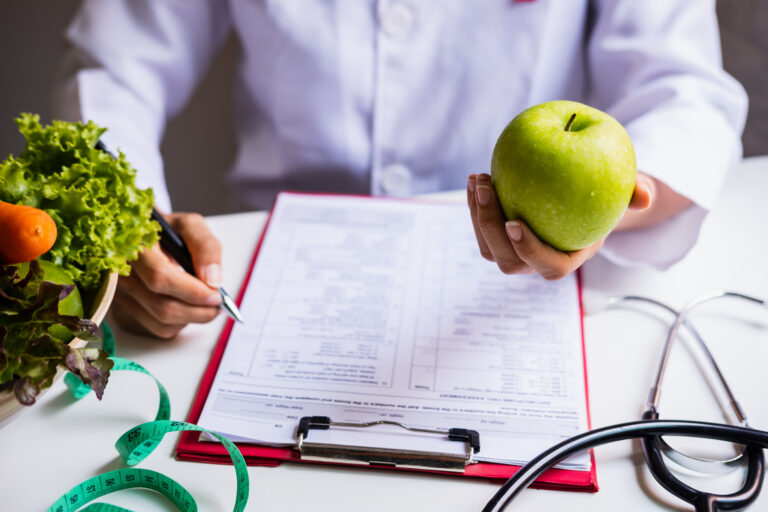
25 233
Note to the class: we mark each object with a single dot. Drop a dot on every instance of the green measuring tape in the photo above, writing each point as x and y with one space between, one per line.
134 446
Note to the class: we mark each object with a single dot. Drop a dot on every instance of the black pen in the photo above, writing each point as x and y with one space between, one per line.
176 248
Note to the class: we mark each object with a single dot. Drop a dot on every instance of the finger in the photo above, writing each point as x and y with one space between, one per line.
203 246
490 222
129 314
644 193
164 308
163 276
472 202
543 258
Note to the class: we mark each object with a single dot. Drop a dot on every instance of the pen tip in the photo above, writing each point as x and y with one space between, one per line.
228 304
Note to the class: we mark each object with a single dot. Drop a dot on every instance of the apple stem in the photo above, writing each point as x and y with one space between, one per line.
570 122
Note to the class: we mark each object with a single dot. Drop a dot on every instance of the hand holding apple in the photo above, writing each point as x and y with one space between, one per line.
565 169
512 244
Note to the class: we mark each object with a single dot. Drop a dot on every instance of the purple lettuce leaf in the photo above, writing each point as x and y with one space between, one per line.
34 336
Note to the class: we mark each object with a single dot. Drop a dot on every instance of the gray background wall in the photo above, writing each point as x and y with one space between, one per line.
199 146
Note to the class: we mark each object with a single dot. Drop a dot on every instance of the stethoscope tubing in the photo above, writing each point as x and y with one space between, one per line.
738 411
650 430
623 431
704 501
697 464
655 393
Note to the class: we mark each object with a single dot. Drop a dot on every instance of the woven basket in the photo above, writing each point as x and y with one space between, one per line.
100 303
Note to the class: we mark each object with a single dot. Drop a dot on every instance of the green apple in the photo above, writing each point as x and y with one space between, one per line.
567 170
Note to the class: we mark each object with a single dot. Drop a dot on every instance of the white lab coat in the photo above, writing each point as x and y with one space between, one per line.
401 97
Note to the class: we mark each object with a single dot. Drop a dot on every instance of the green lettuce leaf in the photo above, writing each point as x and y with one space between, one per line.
102 218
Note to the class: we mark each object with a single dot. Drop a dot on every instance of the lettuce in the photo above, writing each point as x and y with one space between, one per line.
103 219
30 350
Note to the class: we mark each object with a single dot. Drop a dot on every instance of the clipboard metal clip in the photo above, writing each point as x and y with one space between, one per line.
376 456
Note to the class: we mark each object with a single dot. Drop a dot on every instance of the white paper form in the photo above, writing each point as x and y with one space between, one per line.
362 309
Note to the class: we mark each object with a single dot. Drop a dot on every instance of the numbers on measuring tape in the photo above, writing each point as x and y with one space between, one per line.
134 446
130 448
123 479
133 434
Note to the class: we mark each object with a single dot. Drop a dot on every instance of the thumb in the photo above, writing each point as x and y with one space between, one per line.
644 193
203 246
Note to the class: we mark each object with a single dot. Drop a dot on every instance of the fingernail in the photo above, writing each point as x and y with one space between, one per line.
471 183
212 275
483 195
514 231
213 300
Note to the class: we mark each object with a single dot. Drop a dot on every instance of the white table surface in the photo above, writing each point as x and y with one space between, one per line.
59 442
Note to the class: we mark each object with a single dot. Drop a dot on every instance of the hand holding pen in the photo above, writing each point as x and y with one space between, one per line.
160 297
175 246
175 282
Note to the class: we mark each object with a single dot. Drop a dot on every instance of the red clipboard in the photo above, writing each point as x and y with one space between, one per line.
191 448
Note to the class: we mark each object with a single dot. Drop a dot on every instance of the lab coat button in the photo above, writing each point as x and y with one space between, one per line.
397 20
395 180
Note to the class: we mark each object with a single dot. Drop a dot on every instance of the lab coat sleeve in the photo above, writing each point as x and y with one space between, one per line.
657 69
131 65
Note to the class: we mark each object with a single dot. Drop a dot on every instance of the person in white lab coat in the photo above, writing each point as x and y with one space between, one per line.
401 97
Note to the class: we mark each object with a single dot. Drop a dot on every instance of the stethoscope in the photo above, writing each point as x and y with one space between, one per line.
651 429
